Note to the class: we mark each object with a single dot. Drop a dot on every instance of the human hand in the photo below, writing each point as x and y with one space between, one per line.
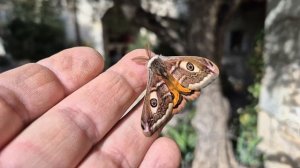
59 112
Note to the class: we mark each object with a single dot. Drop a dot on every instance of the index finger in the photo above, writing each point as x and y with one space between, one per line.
30 90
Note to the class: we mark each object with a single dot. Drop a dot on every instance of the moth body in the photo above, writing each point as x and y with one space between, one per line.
156 65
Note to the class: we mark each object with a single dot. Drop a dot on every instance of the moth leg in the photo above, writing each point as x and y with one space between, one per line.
178 101
192 95
176 97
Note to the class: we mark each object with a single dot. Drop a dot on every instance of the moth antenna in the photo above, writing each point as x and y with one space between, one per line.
149 54
148 51
142 59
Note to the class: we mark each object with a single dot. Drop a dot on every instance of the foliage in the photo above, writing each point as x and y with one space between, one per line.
185 136
248 139
36 30
256 61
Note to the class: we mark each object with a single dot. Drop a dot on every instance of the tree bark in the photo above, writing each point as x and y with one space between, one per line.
76 24
213 147
279 101
201 26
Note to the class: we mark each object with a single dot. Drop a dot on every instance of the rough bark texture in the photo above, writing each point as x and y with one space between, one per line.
202 22
76 24
213 149
279 119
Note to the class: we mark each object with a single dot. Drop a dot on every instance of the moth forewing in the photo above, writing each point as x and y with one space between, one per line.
158 104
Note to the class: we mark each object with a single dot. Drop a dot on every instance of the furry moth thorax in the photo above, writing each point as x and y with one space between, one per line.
171 82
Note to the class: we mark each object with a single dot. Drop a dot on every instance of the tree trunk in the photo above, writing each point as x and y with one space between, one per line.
213 148
279 101
202 22
76 24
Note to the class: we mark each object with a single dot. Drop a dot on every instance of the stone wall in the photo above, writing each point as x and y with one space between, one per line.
279 117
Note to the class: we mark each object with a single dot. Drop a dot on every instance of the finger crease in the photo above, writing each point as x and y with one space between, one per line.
117 157
65 91
8 97
83 122
122 78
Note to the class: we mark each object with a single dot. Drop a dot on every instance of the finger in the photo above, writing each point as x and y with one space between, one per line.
75 67
80 120
163 153
124 146
30 90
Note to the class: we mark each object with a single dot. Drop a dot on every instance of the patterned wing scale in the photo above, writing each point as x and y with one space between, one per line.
160 105
192 72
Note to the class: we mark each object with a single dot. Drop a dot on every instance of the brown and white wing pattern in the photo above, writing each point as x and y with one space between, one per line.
158 105
191 72
172 81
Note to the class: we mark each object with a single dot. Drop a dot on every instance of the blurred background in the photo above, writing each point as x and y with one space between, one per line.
249 117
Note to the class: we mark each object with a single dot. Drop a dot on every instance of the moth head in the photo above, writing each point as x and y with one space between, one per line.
156 65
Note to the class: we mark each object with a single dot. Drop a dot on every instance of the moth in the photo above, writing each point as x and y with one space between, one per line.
171 82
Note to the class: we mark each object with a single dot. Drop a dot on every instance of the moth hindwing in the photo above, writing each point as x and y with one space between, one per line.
171 82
